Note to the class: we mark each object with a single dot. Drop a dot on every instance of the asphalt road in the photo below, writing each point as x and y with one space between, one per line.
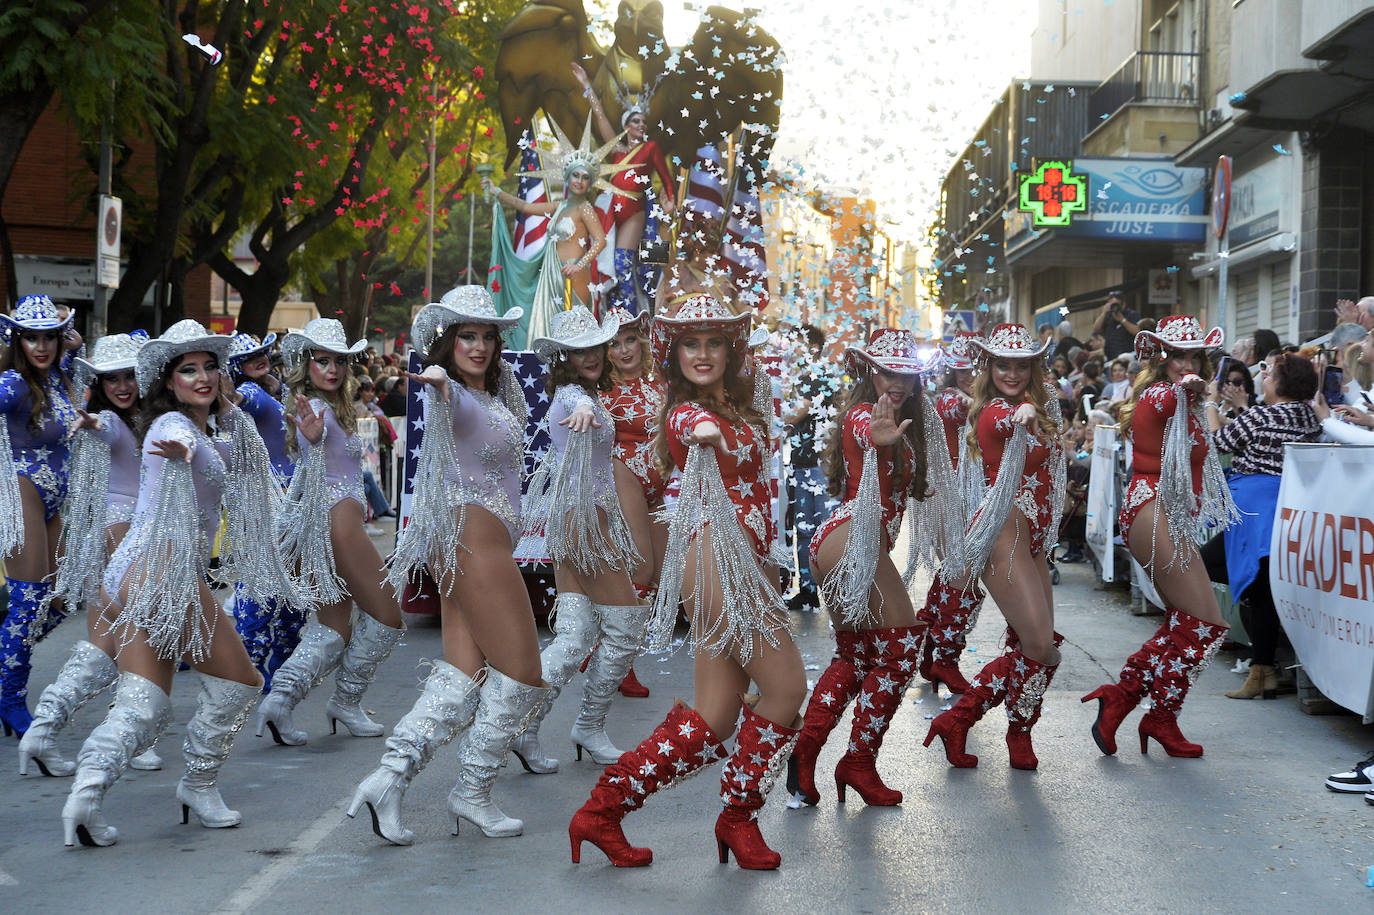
1248 828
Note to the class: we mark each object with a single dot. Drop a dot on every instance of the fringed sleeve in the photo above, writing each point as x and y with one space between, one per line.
253 506
1183 512
937 523
1059 473
433 534
82 547
996 505
303 531
847 585
11 510
750 604
169 553
508 390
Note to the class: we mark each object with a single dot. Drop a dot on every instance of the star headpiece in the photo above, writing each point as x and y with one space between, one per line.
564 158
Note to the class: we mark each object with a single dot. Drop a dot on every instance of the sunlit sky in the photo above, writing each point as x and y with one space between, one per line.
880 96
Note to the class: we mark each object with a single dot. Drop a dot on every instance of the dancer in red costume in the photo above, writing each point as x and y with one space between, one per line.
1014 449
719 539
634 403
950 609
628 209
1177 486
890 449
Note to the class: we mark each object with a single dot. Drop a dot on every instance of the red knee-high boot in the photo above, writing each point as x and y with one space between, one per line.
760 748
985 690
947 615
681 746
836 686
1117 700
880 695
1192 645
1025 697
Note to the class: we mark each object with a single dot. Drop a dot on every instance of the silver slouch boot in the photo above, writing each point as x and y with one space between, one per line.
622 636
139 716
318 653
87 672
220 714
502 713
576 627
370 645
445 709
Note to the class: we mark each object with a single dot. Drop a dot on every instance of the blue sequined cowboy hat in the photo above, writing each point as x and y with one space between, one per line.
246 346
34 312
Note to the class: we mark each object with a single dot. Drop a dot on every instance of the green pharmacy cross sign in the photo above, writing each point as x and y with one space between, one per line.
1052 194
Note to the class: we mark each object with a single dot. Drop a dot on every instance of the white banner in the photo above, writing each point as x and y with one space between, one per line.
1101 520
1321 568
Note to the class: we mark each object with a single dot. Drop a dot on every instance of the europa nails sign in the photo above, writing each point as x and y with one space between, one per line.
1321 568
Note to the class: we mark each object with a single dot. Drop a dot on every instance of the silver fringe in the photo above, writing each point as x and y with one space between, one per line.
11 508
763 392
561 499
303 529
1182 510
936 524
170 551
433 535
997 503
253 505
750 604
508 390
1059 474
1031 697
848 584
81 550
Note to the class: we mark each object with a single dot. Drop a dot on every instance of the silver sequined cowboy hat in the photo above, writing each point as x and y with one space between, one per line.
460 305
323 334
892 350
576 328
699 311
246 346
34 312
1176 332
115 353
185 336
758 337
1007 341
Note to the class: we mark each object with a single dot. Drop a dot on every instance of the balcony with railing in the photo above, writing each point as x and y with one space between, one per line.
1149 77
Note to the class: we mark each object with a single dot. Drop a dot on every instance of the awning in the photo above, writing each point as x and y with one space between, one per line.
1275 247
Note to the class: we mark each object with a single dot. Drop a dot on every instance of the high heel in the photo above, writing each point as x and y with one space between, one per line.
87 672
1026 689
631 688
622 635
320 650
953 733
860 774
745 781
898 650
1163 727
1193 642
1114 703
370 644
531 755
603 831
82 820
834 689
602 752
1020 752
737 831
804 757
382 792
221 711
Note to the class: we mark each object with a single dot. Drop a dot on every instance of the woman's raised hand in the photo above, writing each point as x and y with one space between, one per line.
85 421
308 422
706 433
172 449
1024 415
582 419
883 428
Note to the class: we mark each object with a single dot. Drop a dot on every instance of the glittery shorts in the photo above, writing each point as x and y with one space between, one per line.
638 458
50 481
1141 492
842 514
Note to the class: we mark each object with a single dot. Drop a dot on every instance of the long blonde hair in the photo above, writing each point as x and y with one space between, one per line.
340 401
984 390
1155 371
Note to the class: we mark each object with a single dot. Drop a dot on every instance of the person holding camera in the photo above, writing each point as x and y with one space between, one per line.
1118 325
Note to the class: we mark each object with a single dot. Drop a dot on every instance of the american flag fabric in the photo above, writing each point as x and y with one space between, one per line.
744 252
530 372
530 231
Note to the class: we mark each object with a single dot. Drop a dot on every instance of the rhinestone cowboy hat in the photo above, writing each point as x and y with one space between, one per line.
758 337
892 350
322 333
114 353
1007 341
246 346
460 305
1176 332
699 312
957 355
183 337
575 328
34 312
622 317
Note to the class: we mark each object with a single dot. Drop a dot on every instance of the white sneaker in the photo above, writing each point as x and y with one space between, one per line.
372 530
1359 780
1242 666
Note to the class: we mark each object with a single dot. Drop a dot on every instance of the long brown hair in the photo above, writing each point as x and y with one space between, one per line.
441 354
13 356
1154 372
737 407
561 372
913 408
1035 394
341 401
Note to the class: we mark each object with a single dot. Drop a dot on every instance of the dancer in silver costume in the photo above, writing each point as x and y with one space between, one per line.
100 504
464 522
156 581
572 499
324 519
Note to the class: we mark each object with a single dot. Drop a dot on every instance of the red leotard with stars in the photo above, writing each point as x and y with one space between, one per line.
637 180
1033 495
1157 404
953 411
634 406
894 476
741 467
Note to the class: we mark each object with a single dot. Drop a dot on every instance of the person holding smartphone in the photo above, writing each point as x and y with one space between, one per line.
1118 325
